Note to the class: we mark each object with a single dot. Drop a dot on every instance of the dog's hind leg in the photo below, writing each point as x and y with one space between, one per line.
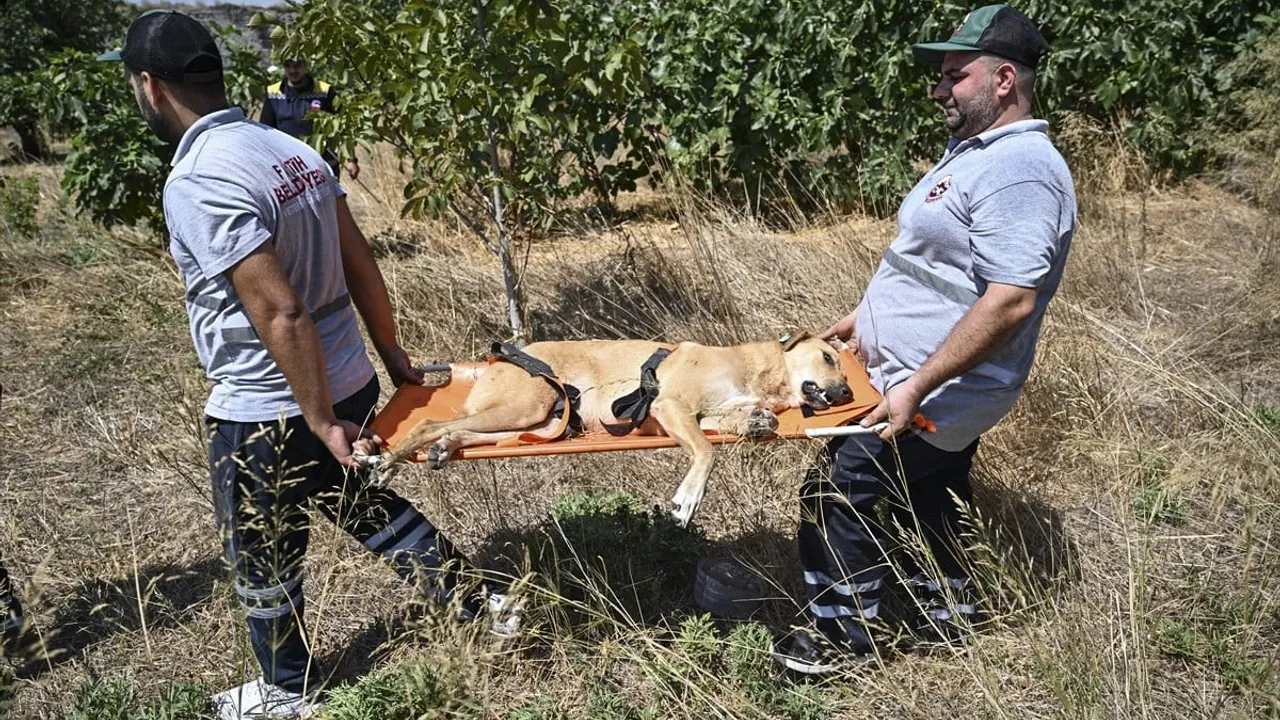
444 448
493 425
505 398
681 423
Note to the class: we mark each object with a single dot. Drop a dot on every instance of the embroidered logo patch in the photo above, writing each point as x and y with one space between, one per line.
939 190
315 105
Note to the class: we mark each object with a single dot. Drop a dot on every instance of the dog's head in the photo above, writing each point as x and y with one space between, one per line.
814 370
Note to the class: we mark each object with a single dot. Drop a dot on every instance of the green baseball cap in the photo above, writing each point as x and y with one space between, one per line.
996 29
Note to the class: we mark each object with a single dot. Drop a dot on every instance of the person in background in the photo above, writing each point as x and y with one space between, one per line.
288 102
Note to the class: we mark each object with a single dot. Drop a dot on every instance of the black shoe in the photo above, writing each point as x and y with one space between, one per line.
809 653
12 630
938 628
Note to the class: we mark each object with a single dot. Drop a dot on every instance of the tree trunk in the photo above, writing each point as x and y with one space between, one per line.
515 316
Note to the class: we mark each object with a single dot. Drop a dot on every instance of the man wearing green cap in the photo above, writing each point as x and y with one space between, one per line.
948 328
278 276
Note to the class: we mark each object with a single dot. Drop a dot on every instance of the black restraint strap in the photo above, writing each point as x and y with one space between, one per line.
633 408
570 397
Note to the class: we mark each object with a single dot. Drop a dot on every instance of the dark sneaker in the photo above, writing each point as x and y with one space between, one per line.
945 620
808 653
940 628
12 630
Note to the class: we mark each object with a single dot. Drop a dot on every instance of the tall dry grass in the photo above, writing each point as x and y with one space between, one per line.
1123 525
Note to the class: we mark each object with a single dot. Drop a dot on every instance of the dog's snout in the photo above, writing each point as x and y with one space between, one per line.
840 394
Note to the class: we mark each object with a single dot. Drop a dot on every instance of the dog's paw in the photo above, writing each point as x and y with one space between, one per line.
761 423
683 509
384 469
439 454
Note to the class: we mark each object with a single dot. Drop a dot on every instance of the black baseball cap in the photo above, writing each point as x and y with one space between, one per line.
170 46
996 29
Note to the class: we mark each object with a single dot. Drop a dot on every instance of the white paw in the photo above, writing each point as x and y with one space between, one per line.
381 470
683 509
439 453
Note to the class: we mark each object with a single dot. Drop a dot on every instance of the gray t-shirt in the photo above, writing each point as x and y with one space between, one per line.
999 207
236 184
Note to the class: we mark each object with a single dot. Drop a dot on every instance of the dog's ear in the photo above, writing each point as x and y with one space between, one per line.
790 340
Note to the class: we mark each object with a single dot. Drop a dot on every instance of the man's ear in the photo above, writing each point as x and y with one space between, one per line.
1006 80
153 88
790 340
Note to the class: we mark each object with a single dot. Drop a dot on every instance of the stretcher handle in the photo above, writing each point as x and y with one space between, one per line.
844 430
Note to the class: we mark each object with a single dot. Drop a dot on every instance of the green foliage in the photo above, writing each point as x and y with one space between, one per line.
1244 134
603 703
750 669
407 692
581 554
1269 417
803 99
1219 630
1157 62
8 688
117 698
19 199
179 702
116 167
1153 501
39 30
698 641
245 73
440 80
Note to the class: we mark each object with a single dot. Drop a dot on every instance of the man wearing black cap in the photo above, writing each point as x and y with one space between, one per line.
288 103
273 264
948 328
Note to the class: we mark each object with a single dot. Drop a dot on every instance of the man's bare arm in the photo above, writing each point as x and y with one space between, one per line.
369 293
983 330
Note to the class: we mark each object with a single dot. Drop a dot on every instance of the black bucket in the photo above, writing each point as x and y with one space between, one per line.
726 589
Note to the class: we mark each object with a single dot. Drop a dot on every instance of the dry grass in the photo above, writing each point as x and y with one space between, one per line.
1126 509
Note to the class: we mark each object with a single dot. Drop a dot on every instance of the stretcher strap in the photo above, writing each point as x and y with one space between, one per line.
633 408
566 407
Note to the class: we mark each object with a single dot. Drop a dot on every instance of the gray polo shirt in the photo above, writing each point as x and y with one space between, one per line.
999 207
236 184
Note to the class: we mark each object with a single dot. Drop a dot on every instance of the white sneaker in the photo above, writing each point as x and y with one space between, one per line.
505 614
260 700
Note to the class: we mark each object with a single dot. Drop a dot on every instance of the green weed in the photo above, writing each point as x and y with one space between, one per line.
118 698
19 198
580 555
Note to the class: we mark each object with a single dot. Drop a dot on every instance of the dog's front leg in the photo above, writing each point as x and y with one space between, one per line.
754 423
681 423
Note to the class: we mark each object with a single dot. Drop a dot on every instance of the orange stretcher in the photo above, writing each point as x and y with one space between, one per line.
412 404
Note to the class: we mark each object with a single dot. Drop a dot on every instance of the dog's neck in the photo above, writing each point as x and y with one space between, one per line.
766 374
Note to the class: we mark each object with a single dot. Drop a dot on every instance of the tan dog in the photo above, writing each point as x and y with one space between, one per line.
735 389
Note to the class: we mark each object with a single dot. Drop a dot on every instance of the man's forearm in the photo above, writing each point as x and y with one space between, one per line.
364 282
983 330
